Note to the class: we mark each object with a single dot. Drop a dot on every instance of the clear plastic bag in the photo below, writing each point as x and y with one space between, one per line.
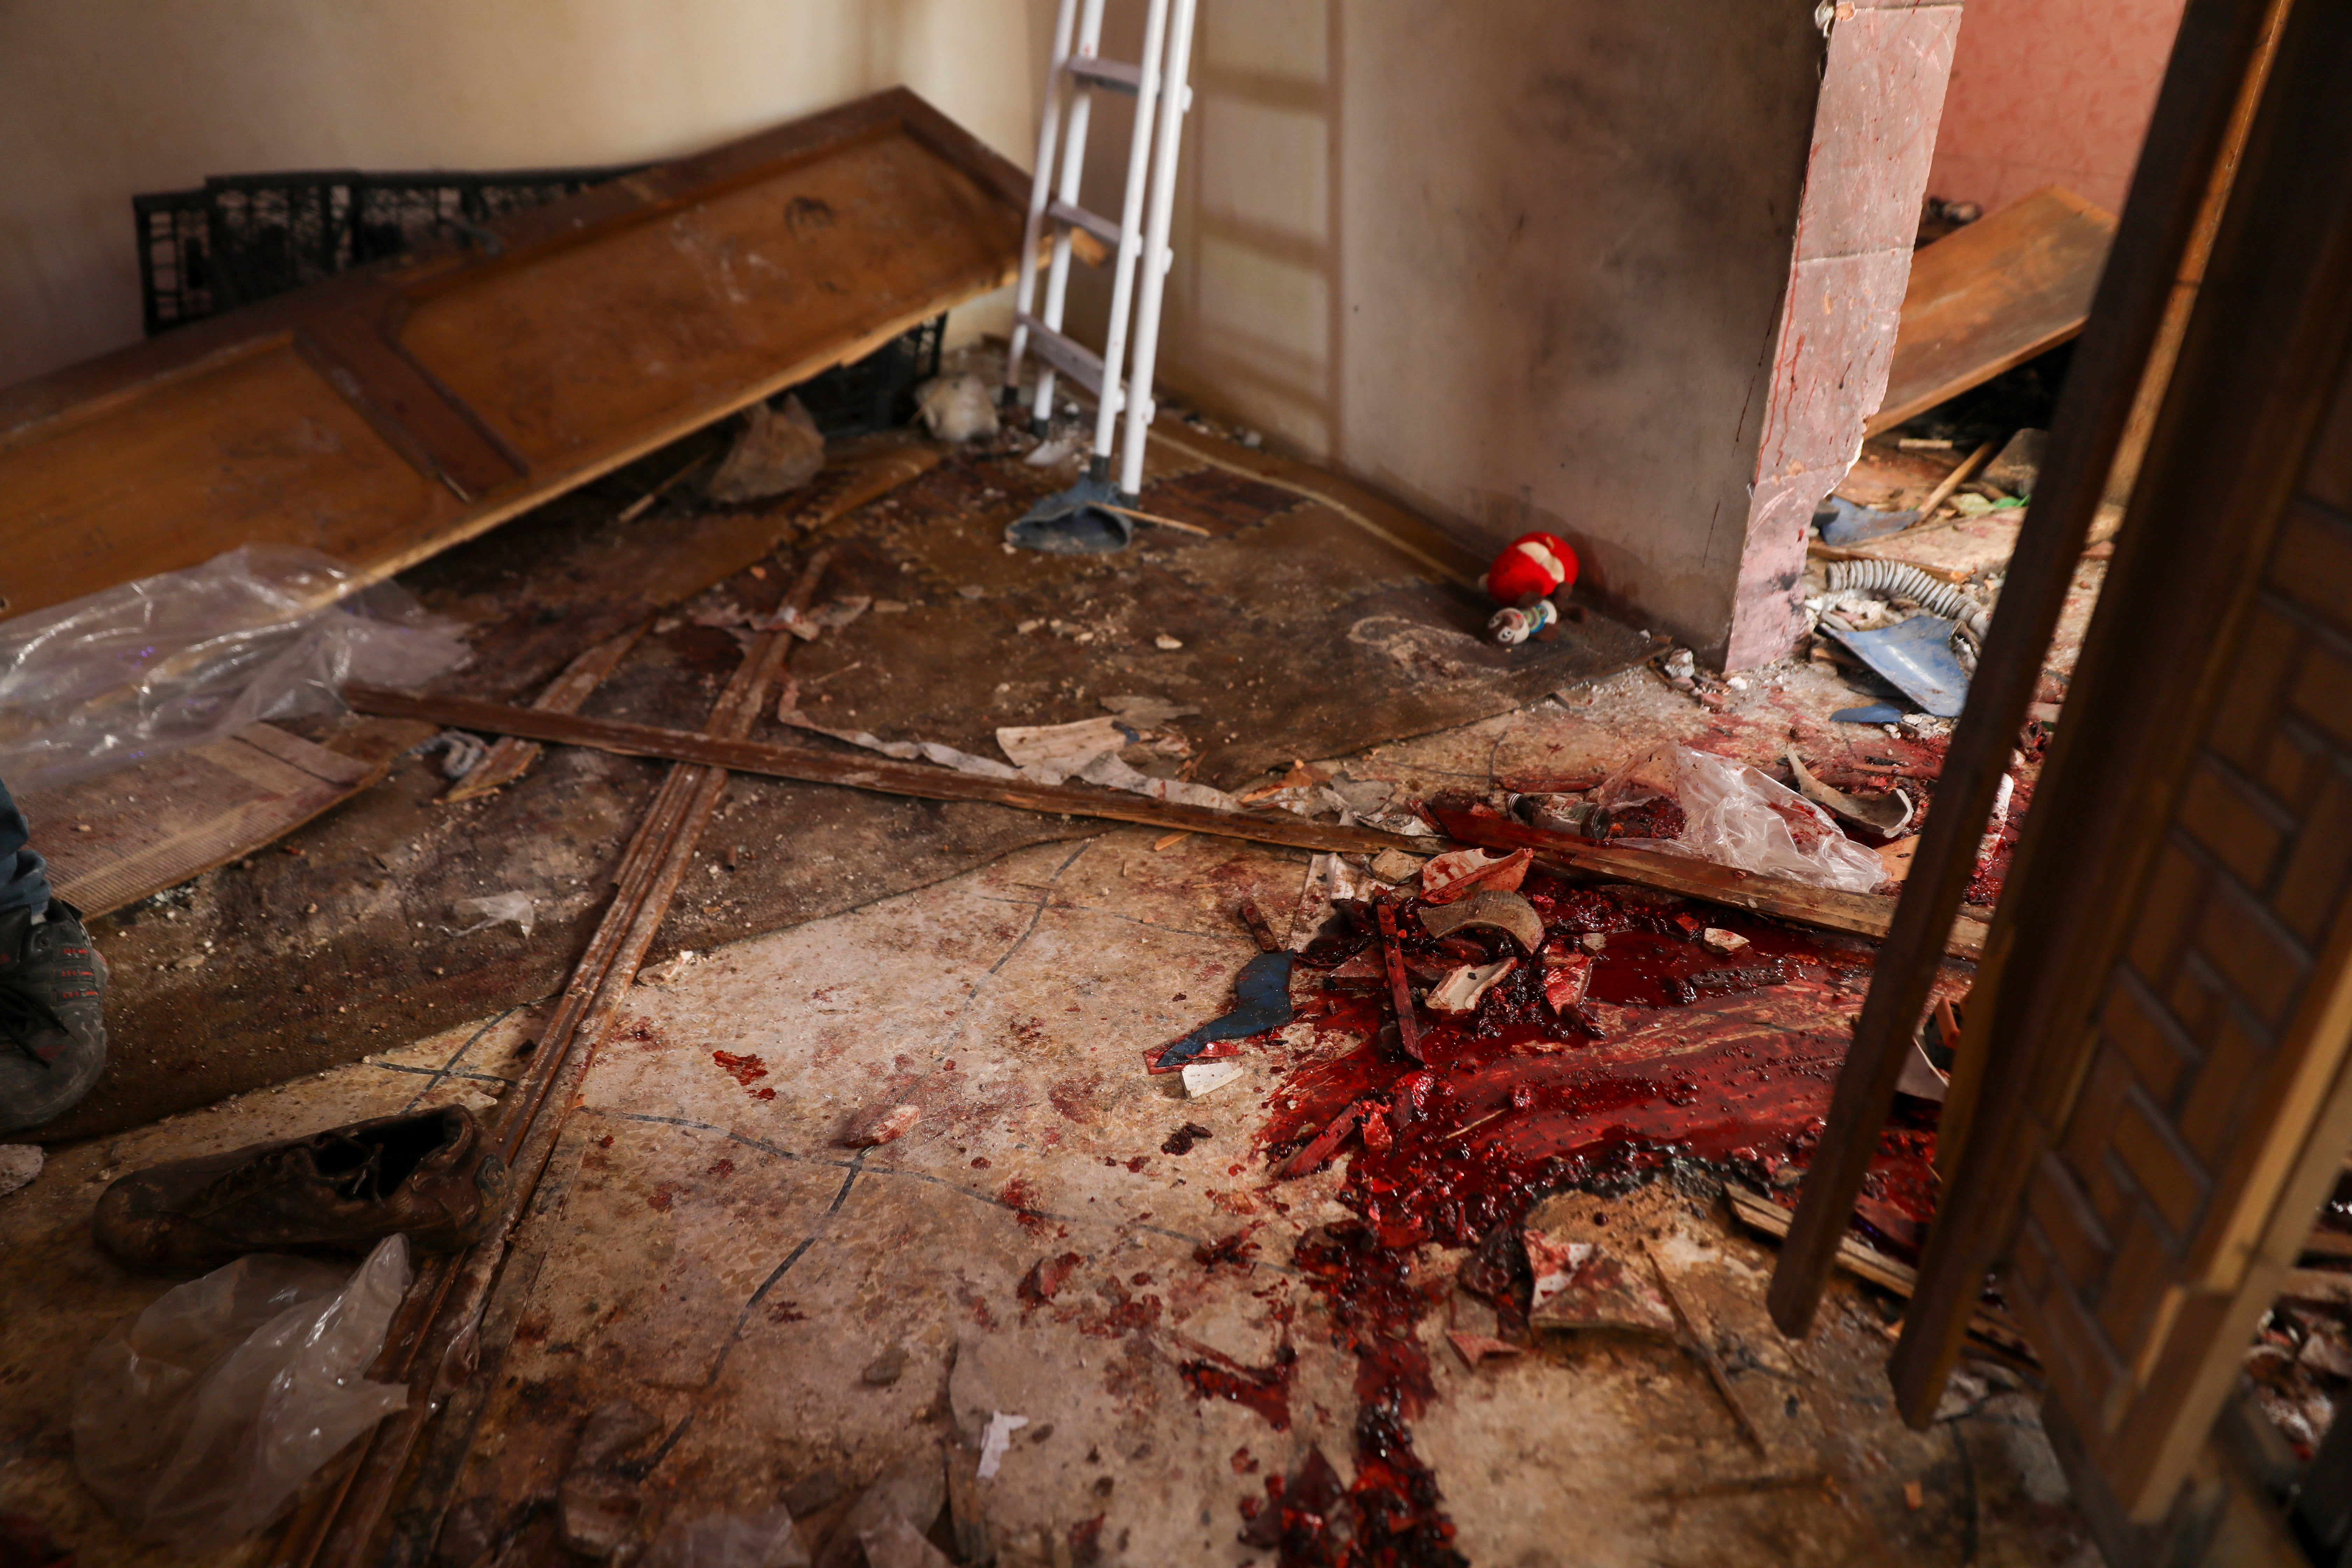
1734 816
174 660
762 1538
194 1423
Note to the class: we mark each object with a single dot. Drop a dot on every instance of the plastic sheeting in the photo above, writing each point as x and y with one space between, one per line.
1735 816
186 658
194 1423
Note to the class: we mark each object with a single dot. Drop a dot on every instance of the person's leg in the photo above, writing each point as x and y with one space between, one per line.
24 875
52 988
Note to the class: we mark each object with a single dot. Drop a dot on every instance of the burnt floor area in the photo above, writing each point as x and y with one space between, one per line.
1184 1355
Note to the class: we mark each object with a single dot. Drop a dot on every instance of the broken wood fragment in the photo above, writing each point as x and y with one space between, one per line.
1400 986
1703 1348
1260 930
1863 914
1857 1257
1860 913
1992 296
1323 1142
509 758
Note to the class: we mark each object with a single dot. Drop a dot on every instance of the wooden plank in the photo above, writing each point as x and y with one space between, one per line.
1861 914
1992 296
347 1521
125 836
384 414
920 780
509 758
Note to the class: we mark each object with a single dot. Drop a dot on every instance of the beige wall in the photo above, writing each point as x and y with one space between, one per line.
1517 262
109 98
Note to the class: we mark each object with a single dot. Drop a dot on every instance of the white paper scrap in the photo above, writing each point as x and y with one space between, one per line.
998 1438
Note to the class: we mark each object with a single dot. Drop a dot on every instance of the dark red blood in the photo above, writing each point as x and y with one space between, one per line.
1265 1389
1044 1281
1731 1065
1181 1142
1656 818
1020 1196
1235 1250
742 1070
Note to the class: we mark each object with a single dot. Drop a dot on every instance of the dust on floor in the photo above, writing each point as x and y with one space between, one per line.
798 1318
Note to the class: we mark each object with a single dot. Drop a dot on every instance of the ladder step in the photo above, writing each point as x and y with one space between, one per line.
1095 224
1117 75
1074 360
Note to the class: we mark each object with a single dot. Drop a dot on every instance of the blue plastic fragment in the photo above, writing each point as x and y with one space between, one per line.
1876 713
1074 524
1261 1002
1916 655
1848 522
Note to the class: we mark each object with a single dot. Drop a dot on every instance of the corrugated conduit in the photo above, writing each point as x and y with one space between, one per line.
1896 580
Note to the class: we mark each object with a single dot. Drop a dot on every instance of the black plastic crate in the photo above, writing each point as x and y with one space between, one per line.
244 237
877 393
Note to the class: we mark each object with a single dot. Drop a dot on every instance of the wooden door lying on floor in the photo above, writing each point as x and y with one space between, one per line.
387 413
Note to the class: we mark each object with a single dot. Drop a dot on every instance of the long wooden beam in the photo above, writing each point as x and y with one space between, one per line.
1858 913
1861 915
806 764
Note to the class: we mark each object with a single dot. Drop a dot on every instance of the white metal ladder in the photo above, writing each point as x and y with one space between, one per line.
1162 96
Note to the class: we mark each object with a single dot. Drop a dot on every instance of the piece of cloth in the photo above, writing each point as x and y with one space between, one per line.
24 875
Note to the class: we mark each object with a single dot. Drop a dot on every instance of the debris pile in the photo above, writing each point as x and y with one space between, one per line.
1484 1033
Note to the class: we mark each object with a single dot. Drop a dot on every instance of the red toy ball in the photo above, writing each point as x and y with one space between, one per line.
1532 566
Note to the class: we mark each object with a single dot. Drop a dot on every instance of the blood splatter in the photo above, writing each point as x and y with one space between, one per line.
1732 1065
1265 1389
1020 1196
744 1069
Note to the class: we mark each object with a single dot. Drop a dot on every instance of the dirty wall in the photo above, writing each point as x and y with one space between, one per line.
1518 263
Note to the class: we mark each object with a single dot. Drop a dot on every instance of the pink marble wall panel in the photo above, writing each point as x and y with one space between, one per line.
1874 135
1874 129
1829 373
2051 93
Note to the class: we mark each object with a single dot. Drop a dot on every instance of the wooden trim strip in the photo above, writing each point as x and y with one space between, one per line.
808 765
1861 915
432 1344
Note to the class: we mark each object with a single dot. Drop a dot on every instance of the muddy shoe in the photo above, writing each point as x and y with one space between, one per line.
431 1176
52 1039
